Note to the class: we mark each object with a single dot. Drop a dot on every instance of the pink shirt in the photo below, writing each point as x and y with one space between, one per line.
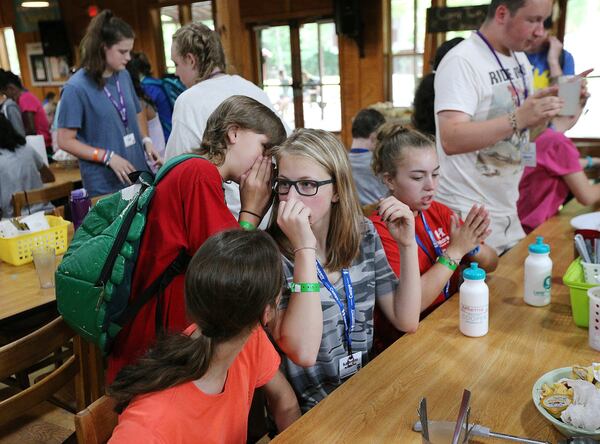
542 189
30 103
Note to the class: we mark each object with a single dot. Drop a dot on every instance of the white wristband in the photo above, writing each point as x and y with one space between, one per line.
146 140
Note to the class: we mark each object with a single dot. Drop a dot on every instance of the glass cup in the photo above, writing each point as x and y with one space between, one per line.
44 258
594 325
569 89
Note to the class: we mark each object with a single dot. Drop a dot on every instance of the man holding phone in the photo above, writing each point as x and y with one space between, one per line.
485 108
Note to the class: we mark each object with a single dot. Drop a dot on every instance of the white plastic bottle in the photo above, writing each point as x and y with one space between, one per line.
474 302
538 274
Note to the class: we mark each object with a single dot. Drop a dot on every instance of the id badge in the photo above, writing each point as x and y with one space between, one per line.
528 154
129 140
349 365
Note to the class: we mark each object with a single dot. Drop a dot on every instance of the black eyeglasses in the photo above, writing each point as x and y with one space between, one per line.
304 187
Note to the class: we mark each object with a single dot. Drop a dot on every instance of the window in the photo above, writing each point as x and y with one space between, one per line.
169 23
581 37
9 59
407 40
171 19
313 99
202 12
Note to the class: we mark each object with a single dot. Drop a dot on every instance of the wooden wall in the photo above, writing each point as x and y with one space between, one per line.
362 79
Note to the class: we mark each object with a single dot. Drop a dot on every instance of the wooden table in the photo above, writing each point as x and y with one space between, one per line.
379 403
65 173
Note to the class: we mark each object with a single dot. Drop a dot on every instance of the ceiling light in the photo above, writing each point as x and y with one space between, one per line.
35 4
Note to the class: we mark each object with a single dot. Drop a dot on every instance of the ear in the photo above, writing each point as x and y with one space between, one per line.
232 134
388 180
190 60
502 13
268 313
336 197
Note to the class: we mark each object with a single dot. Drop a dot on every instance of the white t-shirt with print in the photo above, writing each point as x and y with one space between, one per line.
470 80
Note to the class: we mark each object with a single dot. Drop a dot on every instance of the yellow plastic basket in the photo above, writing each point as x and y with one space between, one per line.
17 250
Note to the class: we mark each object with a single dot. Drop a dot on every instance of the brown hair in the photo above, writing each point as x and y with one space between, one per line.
104 31
245 113
392 140
233 277
204 44
345 233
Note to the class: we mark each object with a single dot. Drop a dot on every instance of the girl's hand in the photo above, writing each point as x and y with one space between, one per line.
399 219
293 217
465 237
121 167
152 154
255 186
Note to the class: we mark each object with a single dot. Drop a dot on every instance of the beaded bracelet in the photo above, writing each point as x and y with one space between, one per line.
247 225
447 262
305 287
512 118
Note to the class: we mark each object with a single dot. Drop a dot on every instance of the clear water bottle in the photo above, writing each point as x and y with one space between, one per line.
80 204
538 274
474 302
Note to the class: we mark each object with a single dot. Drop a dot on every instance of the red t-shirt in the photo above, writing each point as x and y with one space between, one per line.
184 414
188 207
438 219
30 103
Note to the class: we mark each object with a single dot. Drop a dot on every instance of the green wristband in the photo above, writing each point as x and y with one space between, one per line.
444 261
247 225
305 287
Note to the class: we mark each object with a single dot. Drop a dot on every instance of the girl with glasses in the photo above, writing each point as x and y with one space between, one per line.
408 164
335 266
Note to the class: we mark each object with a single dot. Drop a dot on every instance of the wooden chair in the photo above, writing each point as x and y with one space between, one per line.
30 350
40 195
95 424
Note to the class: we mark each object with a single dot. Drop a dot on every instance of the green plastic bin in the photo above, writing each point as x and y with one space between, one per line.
578 288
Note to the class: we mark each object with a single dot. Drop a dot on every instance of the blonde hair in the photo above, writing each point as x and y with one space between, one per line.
345 226
246 113
204 44
392 140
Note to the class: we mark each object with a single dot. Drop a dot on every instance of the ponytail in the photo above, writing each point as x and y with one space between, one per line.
104 31
173 360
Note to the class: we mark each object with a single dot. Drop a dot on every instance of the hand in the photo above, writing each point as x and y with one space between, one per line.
584 95
255 186
293 217
539 108
465 237
121 167
399 219
555 47
152 154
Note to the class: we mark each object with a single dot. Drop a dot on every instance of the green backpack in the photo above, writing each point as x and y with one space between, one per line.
93 281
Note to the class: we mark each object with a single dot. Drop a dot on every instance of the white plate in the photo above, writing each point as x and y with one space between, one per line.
590 221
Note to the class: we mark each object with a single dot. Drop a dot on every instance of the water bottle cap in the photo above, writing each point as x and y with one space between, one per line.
539 247
80 193
474 273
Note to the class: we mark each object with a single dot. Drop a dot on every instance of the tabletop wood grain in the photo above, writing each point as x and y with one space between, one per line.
379 403
64 173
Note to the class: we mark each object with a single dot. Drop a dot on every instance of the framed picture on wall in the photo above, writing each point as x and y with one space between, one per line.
46 71
38 68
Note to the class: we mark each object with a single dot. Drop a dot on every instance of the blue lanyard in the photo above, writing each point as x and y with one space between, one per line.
525 91
120 105
347 315
359 150
436 248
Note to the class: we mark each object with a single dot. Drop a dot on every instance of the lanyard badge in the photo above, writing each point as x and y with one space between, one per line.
120 105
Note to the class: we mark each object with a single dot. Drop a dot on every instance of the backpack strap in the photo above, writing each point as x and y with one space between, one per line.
175 268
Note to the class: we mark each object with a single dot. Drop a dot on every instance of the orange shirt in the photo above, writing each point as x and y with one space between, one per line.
184 414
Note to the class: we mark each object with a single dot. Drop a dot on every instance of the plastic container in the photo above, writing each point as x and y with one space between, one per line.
573 278
474 302
17 250
80 205
538 274
591 272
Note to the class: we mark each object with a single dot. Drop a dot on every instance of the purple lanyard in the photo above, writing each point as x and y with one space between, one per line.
525 91
120 105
